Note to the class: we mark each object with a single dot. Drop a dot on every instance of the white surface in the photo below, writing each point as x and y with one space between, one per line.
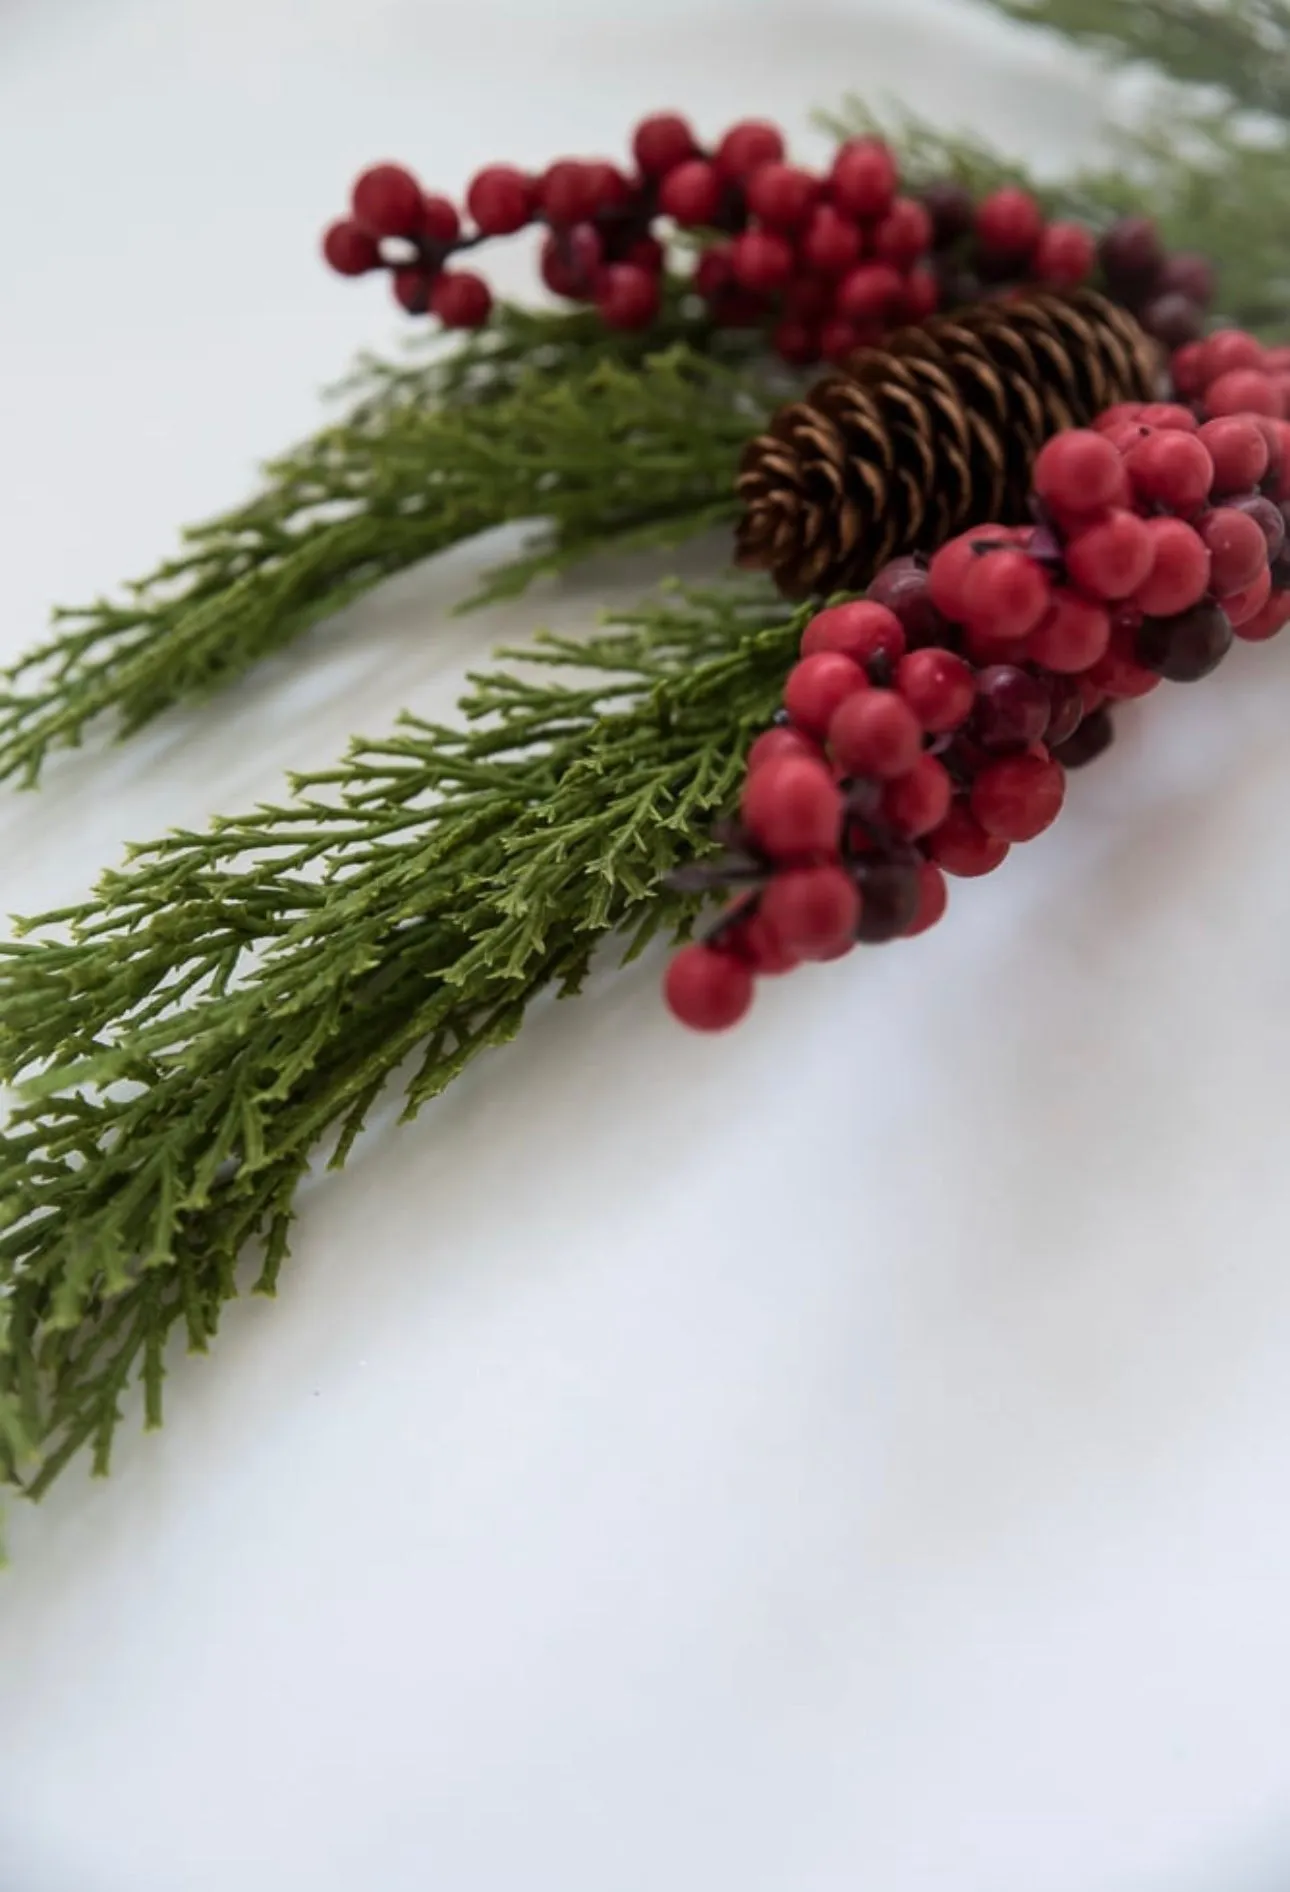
853 1455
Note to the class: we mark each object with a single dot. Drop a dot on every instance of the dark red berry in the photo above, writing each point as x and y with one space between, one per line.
761 260
939 688
890 891
817 685
933 898
1091 739
1243 391
1080 472
961 845
951 209
753 942
1016 799
922 296
839 340
1072 637
1119 674
1066 710
830 242
627 296
808 298
1180 568
812 911
1173 319
1012 708
1239 452
1132 254
782 195
863 178
1186 370
1265 623
793 808
661 142
1065 255
870 293
875 734
646 252
1269 518
747 146
692 192
609 189
1171 469
569 191
904 234
461 299
917 802
571 260
413 288
1009 224
796 341
1237 549
501 199
862 630
1187 647
386 200
1111 558
713 272
1005 594
439 220
706 989
904 587
1186 274
349 249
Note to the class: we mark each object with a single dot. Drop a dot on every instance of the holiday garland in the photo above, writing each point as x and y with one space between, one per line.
232 1005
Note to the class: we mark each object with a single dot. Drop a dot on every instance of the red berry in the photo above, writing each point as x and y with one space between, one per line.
792 808
1239 452
1186 274
1277 434
1119 411
661 142
761 260
1072 637
692 193
918 802
387 201
1009 224
808 299
1171 469
1113 557
1243 391
1005 594
1237 549
461 299
796 341
1170 416
782 195
708 990
871 293
712 272
938 686
439 220
1270 519
830 243
961 845
1066 710
1065 255
1132 254
413 288
571 259
922 295
904 234
812 911
1016 799
816 686
752 940
948 571
349 249
1241 606
839 341
569 191
1225 350
501 199
904 586
1012 708
875 734
1265 623
747 146
1081 472
862 630
1118 674
863 178
1186 368
774 744
933 898
1180 563
608 187
1186 647
627 296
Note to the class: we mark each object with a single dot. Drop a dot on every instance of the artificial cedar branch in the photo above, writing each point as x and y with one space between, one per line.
543 421
233 1003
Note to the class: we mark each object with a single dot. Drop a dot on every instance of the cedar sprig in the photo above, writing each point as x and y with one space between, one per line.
541 419
232 1004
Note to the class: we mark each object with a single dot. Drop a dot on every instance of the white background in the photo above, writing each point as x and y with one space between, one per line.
854 1454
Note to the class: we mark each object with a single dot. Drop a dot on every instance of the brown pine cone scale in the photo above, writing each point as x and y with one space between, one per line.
935 431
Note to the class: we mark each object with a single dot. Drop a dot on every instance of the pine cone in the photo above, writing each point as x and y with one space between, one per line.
933 432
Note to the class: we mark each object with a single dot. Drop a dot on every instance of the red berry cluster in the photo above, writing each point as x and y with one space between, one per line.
929 727
1233 373
824 261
